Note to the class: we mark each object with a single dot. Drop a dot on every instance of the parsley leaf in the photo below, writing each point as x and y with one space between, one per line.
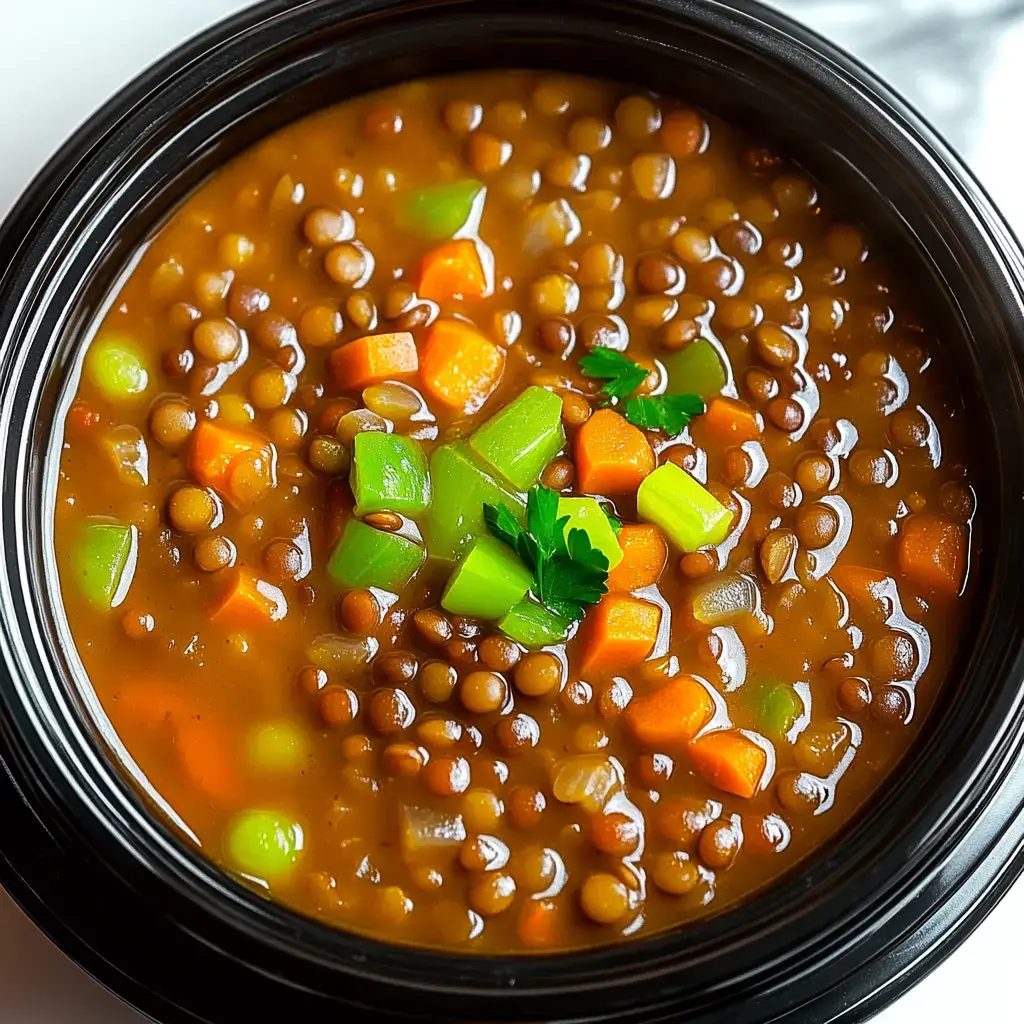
622 375
670 413
578 578
615 524
502 524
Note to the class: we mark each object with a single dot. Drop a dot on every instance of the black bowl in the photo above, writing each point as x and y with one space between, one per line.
114 886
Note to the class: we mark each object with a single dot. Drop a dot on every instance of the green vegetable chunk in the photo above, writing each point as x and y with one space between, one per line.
522 438
389 474
460 490
690 515
487 582
440 210
264 843
696 369
114 365
277 746
778 710
587 515
365 557
532 625
103 562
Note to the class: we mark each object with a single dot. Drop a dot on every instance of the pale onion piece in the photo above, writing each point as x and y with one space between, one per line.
725 599
331 650
426 829
587 780
551 225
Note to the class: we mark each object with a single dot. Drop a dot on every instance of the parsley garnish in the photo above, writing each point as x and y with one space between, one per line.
621 374
615 524
566 576
670 413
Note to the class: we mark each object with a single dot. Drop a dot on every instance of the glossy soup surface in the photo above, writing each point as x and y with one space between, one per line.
283 666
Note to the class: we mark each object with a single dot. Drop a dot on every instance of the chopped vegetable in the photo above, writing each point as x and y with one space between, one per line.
341 653
461 368
690 515
620 631
389 474
551 225
730 760
454 269
264 844
696 369
532 625
424 830
672 715
589 780
724 599
127 450
249 601
113 365
103 562
644 557
621 374
460 491
933 551
365 557
375 358
204 749
866 587
732 421
146 704
778 709
487 582
587 515
439 211
668 413
612 456
278 746
239 464
522 438
538 924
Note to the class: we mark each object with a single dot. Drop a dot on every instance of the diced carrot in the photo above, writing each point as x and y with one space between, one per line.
460 367
374 358
644 556
612 456
732 421
731 761
249 601
237 463
455 268
864 586
205 753
672 715
537 926
933 552
620 631
146 704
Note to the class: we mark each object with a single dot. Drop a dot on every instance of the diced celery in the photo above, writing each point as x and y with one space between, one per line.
389 474
688 513
278 746
460 488
103 562
265 844
487 582
114 365
587 515
365 557
778 709
532 625
521 439
695 370
439 211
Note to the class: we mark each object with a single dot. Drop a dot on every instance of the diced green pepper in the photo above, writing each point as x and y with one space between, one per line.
440 210
264 844
460 488
365 557
103 562
114 365
522 438
778 709
277 746
532 625
389 474
688 513
696 370
487 582
586 514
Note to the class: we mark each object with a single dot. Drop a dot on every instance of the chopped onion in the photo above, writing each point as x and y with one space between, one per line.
586 780
725 599
426 829
334 651
550 226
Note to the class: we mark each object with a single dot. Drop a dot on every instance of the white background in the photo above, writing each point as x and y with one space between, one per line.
961 61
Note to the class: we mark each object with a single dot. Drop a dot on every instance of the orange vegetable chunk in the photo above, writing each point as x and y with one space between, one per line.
538 924
206 756
730 760
620 631
374 358
864 586
147 704
250 601
455 268
732 421
612 456
644 557
933 552
672 715
460 367
239 464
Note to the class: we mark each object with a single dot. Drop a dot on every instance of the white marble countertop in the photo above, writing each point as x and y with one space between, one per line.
960 61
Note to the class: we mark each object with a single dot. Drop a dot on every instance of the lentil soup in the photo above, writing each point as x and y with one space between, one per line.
511 512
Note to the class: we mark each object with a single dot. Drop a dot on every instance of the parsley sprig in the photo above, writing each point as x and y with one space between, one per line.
621 375
568 573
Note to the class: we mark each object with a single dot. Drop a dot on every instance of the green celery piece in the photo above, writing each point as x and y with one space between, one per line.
105 552
487 582
460 488
696 370
365 557
689 514
587 515
114 365
440 210
389 474
521 439
532 625
778 709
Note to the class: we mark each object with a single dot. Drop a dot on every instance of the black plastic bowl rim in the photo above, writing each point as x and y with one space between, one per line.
110 882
